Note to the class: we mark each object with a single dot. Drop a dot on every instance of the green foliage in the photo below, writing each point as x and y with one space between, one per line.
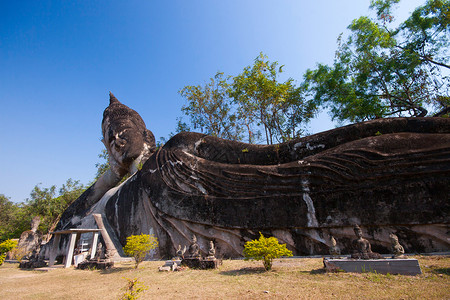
102 166
133 289
15 218
265 249
138 246
278 107
382 71
8 218
210 110
44 203
243 106
7 245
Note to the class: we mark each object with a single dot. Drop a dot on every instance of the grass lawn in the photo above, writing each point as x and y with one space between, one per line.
298 278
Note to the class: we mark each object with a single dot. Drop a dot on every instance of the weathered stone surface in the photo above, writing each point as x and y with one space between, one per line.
30 240
32 264
128 142
93 264
361 247
301 192
396 249
126 138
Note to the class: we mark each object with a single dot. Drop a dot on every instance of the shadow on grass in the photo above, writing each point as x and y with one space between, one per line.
445 271
313 272
117 270
108 271
244 271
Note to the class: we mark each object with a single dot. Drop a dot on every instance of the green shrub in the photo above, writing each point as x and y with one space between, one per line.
265 249
133 289
6 246
138 246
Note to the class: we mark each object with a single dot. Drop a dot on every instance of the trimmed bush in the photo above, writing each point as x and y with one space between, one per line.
139 245
6 246
265 249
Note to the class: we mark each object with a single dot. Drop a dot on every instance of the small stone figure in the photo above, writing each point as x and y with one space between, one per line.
211 251
194 249
100 252
35 223
180 253
170 265
30 240
396 248
362 248
334 249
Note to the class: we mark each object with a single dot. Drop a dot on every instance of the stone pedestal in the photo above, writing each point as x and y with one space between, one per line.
32 264
211 263
192 262
382 266
199 263
93 264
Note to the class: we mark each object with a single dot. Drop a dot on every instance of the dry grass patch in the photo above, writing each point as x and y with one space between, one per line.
235 279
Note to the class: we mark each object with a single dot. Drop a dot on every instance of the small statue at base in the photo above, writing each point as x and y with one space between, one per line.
180 252
396 249
362 248
211 251
100 253
194 249
334 249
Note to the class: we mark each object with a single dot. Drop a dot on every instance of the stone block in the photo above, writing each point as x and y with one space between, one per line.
382 266
100 265
193 263
199 263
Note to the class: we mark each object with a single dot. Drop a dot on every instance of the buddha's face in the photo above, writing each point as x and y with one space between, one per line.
394 238
358 232
125 142
124 136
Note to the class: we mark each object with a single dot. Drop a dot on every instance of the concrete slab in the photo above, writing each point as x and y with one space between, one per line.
382 266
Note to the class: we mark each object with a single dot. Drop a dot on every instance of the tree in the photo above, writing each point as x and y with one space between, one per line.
7 209
138 246
278 107
102 166
6 246
265 249
14 218
242 106
209 109
382 71
44 203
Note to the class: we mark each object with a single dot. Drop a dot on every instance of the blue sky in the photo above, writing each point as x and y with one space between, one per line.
59 60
